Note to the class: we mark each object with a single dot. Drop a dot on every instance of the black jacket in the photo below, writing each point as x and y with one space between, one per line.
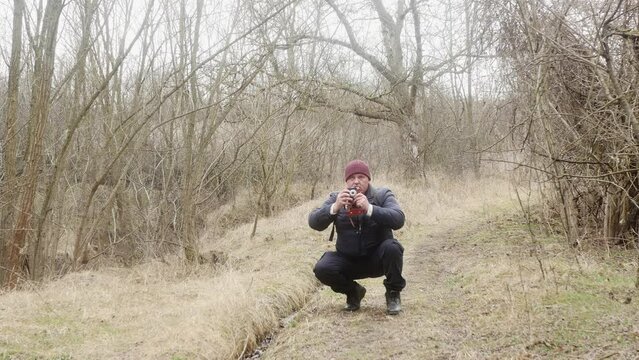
364 234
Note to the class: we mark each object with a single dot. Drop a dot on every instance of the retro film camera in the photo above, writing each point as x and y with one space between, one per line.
353 210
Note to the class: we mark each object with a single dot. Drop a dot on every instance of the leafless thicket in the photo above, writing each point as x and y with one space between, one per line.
413 68
577 67
127 122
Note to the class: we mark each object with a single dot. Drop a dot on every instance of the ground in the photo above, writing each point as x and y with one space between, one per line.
489 276
491 287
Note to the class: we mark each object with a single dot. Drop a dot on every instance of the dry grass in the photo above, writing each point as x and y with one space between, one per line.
474 292
155 311
321 331
167 310
557 303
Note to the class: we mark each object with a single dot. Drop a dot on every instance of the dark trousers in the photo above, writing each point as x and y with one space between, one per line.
339 271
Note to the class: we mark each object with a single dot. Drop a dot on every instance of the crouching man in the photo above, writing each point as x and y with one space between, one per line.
364 218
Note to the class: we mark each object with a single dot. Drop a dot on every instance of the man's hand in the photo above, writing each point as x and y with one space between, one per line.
343 199
361 201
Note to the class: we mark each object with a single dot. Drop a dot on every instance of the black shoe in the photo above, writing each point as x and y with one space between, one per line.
393 302
354 299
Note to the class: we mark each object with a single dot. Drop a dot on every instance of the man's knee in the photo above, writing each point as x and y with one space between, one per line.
320 269
323 269
392 248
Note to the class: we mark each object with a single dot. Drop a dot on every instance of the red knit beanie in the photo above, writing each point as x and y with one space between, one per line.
356 167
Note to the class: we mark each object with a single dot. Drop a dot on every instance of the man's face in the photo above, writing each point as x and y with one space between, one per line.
358 181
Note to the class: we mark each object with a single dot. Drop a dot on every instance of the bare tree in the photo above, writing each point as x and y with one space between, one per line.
396 100
579 102
190 101
8 184
39 109
170 116
40 249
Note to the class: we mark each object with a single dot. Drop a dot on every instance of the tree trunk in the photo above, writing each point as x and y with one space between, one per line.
39 111
39 252
9 186
612 216
411 148
189 213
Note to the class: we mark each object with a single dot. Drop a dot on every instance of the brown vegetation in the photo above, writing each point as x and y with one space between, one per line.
144 118
475 290
216 310
576 66
136 132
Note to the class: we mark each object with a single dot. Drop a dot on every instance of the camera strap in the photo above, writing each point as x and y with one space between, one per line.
332 232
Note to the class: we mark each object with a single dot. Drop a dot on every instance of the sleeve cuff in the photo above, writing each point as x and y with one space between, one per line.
369 212
330 211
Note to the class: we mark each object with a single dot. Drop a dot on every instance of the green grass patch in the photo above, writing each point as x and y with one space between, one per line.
591 312
605 279
58 329
460 280
53 333
586 304
587 301
23 356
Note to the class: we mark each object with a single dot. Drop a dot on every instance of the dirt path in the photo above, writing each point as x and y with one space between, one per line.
432 325
474 291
